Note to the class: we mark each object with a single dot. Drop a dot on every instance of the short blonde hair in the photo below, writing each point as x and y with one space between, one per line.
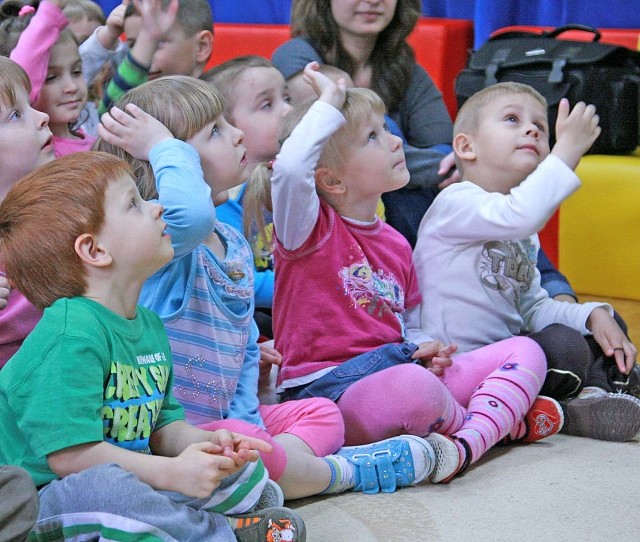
468 117
185 105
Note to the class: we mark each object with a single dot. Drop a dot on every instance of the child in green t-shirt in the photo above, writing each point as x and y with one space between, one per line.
86 404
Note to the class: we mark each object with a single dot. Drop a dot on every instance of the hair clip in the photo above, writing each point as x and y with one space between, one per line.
25 10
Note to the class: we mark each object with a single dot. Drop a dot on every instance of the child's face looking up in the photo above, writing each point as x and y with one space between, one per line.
511 139
374 160
25 140
260 102
222 154
137 256
64 92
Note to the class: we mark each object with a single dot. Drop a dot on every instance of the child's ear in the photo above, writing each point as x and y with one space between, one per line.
463 147
205 46
327 181
91 252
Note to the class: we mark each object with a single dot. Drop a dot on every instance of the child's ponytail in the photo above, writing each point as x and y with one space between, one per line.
255 202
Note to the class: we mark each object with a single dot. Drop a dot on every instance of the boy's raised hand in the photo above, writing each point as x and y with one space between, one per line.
133 131
156 20
575 131
326 89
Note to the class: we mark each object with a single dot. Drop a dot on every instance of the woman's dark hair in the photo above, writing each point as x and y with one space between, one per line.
392 59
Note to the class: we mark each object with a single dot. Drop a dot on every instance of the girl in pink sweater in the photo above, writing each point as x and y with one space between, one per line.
39 41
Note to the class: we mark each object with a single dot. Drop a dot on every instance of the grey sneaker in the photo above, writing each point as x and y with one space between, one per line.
270 524
447 462
601 415
271 497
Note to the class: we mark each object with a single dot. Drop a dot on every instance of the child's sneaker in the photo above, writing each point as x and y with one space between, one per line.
545 418
269 524
448 462
271 497
388 464
601 415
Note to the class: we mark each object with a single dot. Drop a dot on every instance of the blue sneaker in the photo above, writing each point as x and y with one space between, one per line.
389 464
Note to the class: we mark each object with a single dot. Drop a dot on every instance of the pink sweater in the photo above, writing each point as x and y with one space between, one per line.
17 320
342 293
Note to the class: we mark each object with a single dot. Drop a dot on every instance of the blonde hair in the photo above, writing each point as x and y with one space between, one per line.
359 104
225 76
468 117
76 9
12 76
182 103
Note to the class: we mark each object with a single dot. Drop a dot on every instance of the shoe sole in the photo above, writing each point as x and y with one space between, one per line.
614 417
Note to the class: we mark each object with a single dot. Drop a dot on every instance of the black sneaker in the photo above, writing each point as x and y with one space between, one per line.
270 524
601 415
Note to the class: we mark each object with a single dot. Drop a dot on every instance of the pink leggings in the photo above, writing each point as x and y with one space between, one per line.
482 397
318 422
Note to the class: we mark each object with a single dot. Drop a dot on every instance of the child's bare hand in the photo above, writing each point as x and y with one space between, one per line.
435 356
326 89
5 290
268 356
115 20
237 447
136 131
612 339
575 131
156 21
199 469
447 165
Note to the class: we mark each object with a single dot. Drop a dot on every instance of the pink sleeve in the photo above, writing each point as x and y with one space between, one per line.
16 322
35 42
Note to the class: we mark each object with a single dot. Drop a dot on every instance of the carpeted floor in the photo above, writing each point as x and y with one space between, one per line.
563 489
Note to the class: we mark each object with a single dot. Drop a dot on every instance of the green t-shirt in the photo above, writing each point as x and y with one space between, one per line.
85 374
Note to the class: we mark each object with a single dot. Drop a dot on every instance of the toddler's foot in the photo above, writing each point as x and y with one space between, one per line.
449 460
601 415
271 497
545 418
269 524
382 466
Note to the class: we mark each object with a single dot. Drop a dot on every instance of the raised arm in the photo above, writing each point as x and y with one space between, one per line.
35 43
294 197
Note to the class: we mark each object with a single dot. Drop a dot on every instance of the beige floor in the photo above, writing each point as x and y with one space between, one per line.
564 489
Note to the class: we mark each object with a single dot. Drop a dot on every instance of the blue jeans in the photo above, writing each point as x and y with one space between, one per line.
332 385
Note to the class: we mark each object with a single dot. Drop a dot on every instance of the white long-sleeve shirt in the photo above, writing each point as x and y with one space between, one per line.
476 261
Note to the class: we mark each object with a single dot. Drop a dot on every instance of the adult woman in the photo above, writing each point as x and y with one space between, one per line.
367 39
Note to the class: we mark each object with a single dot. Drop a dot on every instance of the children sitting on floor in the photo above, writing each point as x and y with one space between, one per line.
477 249
87 405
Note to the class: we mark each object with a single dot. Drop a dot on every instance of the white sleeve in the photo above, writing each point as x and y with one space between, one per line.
293 190
412 318
94 55
474 214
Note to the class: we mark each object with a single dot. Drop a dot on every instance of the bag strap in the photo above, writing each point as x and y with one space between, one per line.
580 27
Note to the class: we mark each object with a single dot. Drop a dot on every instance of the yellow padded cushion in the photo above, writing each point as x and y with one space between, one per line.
599 231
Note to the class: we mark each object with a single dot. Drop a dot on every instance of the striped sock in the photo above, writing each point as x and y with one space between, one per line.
497 408
342 474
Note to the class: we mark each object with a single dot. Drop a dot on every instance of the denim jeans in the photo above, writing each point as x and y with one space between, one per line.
332 385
